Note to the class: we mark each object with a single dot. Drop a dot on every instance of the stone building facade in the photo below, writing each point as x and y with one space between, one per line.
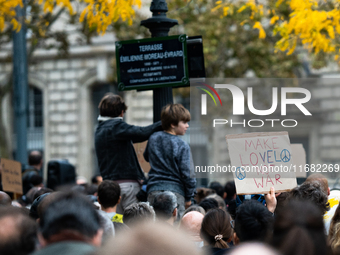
65 92
70 90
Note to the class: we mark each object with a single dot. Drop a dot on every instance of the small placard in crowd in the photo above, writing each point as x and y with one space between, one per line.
11 176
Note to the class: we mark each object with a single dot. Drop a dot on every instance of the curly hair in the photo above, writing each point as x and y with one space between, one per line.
311 191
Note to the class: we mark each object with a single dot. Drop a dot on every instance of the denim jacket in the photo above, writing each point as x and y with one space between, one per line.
117 158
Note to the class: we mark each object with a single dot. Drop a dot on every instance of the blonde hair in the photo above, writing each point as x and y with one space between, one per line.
334 236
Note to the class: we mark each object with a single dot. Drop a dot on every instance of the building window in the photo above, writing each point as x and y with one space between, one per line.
35 120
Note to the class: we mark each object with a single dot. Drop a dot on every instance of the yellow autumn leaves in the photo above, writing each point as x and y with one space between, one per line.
311 23
99 14
311 26
7 14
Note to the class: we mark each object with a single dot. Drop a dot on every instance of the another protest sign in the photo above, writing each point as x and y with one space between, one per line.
11 176
299 159
140 148
261 161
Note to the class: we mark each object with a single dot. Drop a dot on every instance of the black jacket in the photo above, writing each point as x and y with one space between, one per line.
117 158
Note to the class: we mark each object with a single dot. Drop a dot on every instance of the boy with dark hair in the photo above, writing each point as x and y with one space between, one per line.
170 158
109 198
117 158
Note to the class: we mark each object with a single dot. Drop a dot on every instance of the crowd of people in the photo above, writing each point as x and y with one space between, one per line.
123 212
72 222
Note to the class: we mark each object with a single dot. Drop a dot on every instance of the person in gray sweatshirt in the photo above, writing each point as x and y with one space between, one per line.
170 158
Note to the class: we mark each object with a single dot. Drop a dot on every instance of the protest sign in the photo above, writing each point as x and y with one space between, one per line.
299 159
261 161
140 148
11 176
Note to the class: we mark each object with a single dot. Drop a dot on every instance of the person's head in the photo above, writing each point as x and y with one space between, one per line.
254 249
92 190
69 217
112 105
5 199
35 158
311 191
37 180
216 230
217 187
230 190
317 177
18 233
194 208
42 191
174 118
34 207
253 222
150 238
96 179
299 229
138 212
220 201
208 204
192 222
81 180
202 193
108 194
165 205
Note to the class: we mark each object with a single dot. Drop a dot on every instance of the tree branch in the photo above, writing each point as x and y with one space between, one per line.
34 46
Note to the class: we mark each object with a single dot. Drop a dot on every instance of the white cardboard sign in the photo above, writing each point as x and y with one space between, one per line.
299 159
261 161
